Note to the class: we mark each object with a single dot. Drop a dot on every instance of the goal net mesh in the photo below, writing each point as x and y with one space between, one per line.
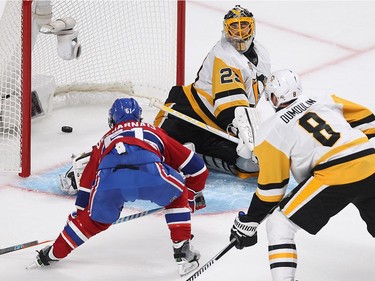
127 47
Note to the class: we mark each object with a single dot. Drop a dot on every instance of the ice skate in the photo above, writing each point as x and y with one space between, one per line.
186 257
43 258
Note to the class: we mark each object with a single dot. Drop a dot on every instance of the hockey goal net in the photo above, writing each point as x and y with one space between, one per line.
132 47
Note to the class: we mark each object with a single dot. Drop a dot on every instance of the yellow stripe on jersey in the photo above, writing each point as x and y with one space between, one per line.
369 131
197 109
225 77
347 172
303 196
273 170
341 148
352 111
160 117
206 95
282 256
270 198
228 80
227 105
274 164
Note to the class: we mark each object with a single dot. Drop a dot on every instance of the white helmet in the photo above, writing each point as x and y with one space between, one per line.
285 85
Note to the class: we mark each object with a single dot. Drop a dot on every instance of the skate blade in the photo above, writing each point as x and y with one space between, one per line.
186 268
33 265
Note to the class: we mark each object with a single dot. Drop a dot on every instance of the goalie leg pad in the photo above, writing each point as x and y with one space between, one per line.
79 164
69 182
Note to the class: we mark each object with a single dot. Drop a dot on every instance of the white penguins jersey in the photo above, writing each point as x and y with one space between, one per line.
308 132
227 79
224 66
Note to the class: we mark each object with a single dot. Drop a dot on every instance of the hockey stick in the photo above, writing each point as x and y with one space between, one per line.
193 121
212 261
138 215
22 246
120 220
229 246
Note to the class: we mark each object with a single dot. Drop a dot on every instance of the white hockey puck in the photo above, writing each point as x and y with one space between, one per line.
66 129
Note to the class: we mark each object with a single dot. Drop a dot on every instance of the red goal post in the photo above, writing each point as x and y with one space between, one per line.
132 47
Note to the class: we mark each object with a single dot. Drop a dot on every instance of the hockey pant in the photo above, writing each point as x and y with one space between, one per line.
155 182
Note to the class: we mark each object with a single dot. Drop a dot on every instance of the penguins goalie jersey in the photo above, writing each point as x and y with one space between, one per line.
319 130
227 79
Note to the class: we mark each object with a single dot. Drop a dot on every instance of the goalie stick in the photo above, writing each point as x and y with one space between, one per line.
193 121
120 220
252 115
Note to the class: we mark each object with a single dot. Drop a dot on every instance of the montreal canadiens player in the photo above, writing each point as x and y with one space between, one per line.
134 161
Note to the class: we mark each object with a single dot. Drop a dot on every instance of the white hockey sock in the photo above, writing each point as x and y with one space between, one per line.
282 252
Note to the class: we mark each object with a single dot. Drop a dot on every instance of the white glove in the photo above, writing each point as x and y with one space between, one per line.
245 132
242 150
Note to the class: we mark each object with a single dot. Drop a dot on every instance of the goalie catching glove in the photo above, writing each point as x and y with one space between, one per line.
244 231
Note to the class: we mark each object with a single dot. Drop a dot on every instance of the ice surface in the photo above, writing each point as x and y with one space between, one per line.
330 43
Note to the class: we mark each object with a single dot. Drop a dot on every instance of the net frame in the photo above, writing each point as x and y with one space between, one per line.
26 66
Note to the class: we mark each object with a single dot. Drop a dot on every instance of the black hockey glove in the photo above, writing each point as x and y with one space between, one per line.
244 230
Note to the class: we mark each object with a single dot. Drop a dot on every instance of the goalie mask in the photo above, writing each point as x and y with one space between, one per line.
123 110
239 28
282 86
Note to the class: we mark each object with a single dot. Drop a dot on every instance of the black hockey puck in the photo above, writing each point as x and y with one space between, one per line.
66 129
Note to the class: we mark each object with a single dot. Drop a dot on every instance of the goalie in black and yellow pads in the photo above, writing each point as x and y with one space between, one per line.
229 82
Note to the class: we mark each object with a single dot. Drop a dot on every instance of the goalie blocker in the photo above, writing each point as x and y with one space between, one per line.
246 121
